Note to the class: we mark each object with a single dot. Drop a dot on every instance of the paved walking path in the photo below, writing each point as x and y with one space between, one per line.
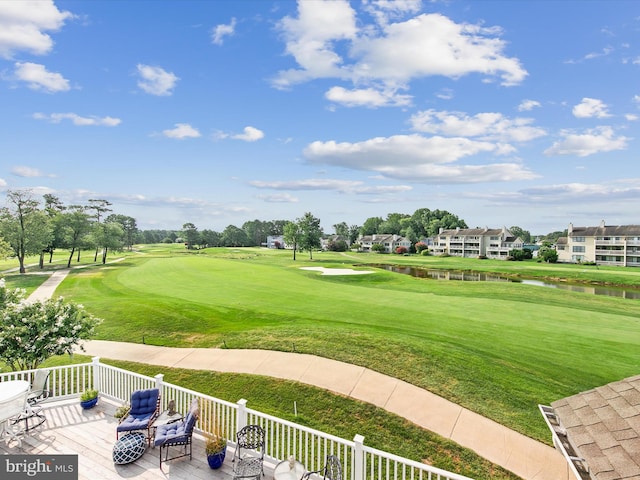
522 455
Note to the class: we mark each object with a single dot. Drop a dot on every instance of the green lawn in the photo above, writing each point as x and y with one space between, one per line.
496 348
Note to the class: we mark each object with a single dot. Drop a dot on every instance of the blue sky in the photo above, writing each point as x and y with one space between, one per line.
217 112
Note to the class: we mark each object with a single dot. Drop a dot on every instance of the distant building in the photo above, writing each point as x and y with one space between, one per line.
476 242
389 241
615 245
275 241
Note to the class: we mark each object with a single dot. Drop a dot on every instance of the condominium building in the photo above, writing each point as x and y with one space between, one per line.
475 242
617 245
390 242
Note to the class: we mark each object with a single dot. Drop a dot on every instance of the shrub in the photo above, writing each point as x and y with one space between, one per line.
401 250
425 252
420 246
377 247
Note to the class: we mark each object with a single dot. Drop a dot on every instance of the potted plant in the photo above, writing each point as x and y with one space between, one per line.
215 447
89 398
122 411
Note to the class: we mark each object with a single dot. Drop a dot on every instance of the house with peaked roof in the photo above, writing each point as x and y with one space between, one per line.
476 242
598 431
389 241
615 245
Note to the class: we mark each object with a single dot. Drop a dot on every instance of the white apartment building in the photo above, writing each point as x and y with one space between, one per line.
616 245
475 242
390 242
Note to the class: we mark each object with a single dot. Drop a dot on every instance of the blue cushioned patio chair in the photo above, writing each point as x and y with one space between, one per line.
177 434
145 407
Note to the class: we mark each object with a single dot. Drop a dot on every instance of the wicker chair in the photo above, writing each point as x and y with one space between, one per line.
248 457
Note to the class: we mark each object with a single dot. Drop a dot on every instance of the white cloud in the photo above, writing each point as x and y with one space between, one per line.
3 183
221 31
310 37
156 80
250 134
309 184
589 108
425 45
342 186
598 140
278 198
486 126
78 120
38 78
384 10
632 117
24 26
418 159
182 131
28 172
367 97
527 105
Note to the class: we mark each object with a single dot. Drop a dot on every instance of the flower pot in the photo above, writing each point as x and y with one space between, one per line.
86 404
216 459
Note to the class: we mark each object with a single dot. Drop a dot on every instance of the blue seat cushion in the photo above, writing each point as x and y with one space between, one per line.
177 432
143 406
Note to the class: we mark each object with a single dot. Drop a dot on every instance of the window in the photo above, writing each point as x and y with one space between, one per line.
578 249
578 239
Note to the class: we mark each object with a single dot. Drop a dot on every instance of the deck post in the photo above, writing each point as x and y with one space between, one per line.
358 457
241 420
95 363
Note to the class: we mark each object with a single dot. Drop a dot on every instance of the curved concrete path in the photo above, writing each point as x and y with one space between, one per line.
518 453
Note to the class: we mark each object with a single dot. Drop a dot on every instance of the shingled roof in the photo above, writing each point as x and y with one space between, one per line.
602 426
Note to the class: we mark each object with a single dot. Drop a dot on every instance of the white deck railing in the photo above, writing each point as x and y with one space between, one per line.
284 438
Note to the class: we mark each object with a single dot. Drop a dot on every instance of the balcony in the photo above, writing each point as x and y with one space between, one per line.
90 434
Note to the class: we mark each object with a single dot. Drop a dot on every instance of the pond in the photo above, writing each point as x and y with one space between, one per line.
633 294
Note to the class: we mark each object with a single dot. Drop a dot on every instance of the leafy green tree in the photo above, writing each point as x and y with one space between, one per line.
24 226
5 248
548 254
370 226
354 233
31 332
378 247
191 235
72 228
233 236
311 233
337 245
292 235
99 207
341 229
129 227
53 207
525 235
211 238
393 224
108 235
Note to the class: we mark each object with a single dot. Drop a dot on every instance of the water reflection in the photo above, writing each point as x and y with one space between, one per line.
491 277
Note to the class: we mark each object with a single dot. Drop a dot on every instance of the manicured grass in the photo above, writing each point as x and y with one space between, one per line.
496 348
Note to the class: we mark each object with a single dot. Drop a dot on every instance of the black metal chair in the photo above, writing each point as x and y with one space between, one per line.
177 434
332 469
249 452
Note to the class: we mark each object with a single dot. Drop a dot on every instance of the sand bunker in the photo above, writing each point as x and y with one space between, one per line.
337 271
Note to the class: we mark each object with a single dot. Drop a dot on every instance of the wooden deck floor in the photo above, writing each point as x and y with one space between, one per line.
91 434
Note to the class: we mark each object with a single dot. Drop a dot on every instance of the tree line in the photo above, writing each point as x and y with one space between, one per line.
31 227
